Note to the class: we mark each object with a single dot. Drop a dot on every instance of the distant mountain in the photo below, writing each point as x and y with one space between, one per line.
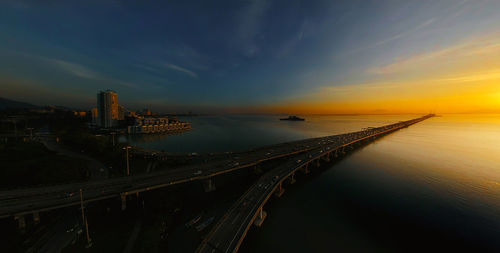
11 104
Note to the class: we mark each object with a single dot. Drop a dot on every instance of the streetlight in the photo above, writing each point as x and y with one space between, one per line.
128 166
85 222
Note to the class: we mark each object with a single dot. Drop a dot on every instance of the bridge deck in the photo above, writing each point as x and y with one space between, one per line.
28 200
230 231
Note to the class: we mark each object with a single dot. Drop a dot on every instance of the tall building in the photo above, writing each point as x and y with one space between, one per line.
107 106
121 112
95 116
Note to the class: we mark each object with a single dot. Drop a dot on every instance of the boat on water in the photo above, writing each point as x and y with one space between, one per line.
205 224
293 118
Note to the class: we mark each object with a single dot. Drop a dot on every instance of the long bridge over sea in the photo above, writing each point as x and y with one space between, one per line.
229 232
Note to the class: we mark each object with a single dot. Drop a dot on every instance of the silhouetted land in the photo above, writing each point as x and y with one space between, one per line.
30 163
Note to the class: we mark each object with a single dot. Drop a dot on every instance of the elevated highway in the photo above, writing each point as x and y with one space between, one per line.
20 202
228 234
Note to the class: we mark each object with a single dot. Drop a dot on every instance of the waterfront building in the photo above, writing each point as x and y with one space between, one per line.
156 124
121 112
107 106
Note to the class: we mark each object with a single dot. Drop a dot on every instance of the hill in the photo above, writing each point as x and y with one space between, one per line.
11 104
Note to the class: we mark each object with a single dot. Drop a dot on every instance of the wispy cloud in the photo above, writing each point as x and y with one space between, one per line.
249 23
397 36
405 33
82 71
469 51
183 70
420 89
289 45
75 69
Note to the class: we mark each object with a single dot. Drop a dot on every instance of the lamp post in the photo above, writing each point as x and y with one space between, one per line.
85 222
126 157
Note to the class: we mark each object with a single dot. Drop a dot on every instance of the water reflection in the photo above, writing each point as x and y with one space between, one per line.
234 132
433 185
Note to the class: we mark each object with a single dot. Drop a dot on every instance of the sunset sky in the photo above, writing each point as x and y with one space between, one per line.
255 56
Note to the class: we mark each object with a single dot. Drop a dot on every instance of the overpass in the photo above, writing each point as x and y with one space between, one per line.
228 234
20 202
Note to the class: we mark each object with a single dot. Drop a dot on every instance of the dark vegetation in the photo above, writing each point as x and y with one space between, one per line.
76 135
30 163
25 161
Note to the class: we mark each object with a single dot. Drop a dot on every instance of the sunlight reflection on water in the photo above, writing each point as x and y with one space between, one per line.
442 173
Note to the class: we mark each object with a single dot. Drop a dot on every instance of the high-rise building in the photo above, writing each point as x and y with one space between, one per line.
107 106
95 116
121 112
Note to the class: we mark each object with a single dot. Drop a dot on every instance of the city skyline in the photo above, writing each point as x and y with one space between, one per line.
256 56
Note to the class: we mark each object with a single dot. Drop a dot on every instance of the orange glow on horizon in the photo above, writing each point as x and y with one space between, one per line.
463 78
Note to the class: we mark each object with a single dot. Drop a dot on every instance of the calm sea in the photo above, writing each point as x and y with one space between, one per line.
432 186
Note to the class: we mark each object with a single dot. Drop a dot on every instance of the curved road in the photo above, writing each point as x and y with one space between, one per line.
29 200
230 231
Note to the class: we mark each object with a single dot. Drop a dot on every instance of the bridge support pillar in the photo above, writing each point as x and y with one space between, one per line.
279 191
36 217
291 179
124 201
209 185
326 158
21 223
260 217
305 169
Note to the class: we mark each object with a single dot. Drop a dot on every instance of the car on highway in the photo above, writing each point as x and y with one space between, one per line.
198 172
71 229
299 161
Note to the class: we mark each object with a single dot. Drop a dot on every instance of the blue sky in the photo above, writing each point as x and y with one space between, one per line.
218 55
